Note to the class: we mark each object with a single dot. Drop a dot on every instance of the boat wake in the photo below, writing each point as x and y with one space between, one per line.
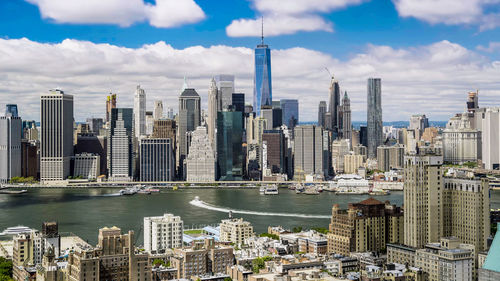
110 194
201 204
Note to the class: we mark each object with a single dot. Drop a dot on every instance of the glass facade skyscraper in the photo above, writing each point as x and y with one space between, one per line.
229 145
11 110
290 112
262 90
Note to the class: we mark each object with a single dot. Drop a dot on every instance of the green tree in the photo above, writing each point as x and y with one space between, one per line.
297 229
228 279
272 236
320 230
5 269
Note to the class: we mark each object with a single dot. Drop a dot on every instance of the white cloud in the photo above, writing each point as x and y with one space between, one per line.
451 12
287 17
165 13
431 79
491 48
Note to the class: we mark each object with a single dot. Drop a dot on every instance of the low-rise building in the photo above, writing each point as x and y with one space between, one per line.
162 233
235 231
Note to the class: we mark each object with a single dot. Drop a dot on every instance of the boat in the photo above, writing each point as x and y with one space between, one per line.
155 190
271 190
13 191
262 190
16 230
311 190
144 191
299 188
129 191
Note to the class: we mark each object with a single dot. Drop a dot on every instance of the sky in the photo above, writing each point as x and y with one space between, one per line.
428 53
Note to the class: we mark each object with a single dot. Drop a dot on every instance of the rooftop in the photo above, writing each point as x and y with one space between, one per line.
492 260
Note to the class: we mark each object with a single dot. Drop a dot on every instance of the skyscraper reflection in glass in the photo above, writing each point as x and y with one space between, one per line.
262 91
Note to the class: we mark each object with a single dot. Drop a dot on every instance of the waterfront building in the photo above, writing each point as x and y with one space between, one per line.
461 143
374 127
262 89
29 158
390 157
139 112
340 148
308 148
189 118
158 110
110 104
114 258
352 162
97 145
200 163
87 166
213 108
490 270
290 112
56 142
235 231
344 118
225 89
120 153
10 145
162 233
423 198
275 156
333 107
254 160
156 158
322 109
487 120
418 123
365 226
229 145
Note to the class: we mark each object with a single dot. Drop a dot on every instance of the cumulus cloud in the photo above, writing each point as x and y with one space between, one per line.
164 13
431 79
491 48
451 12
288 17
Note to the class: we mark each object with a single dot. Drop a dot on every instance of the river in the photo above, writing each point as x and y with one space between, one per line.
84 211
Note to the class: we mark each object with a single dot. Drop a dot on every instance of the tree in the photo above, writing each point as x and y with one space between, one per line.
272 236
297 229
228 279
5 269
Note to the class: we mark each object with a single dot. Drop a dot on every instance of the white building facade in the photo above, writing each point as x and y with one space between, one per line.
162 233
200 162
87 165
461 143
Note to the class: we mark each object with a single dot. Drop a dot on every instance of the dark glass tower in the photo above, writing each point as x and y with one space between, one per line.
290 112
229 145
11 110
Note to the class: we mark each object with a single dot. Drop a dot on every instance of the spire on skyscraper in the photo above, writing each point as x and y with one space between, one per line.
262 34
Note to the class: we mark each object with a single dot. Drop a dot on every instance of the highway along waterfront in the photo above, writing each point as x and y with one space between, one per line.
83 211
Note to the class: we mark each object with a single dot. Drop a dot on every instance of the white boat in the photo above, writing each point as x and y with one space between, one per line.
271 190
262 190
16 230
129 191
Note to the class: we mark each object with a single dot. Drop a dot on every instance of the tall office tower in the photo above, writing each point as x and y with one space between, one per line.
225 87
340 148
158 110
345 124
418 123
149 123
308 147
90 143
120 144
327 154
165 129
213 107
11 110
255 129
139 112
95 125
461 143
290 112
156 159
56 122
277 117
423 199
262 88
170 113
229 145
487 121
267 113
30 132
334 102
322 109
374 116
390 157
238 102
363 136
200 162
10 145
162 233
472 101
189 118
110 104
29 162
276 149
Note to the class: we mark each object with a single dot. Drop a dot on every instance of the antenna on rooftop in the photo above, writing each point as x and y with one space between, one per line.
262 34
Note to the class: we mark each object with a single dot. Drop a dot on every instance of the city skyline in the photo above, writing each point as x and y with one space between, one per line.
446 59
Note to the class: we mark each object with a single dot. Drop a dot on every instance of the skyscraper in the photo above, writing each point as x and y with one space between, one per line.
120 143
56 141
213 107
418 123
11 110
322 109
334 102
158 110
110 103
225 87
345 125
239 102
156 159
200 162
229 145
308 151
140 112
10 145
189 119
290 112
374 116
262 90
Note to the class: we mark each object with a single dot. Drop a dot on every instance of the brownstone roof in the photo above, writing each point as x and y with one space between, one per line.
371 201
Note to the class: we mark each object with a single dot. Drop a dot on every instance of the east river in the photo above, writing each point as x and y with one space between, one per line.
84 211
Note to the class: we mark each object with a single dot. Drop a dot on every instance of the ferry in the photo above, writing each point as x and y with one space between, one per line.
271 190
16 230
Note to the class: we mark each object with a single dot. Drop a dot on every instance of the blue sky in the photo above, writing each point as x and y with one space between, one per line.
348 32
